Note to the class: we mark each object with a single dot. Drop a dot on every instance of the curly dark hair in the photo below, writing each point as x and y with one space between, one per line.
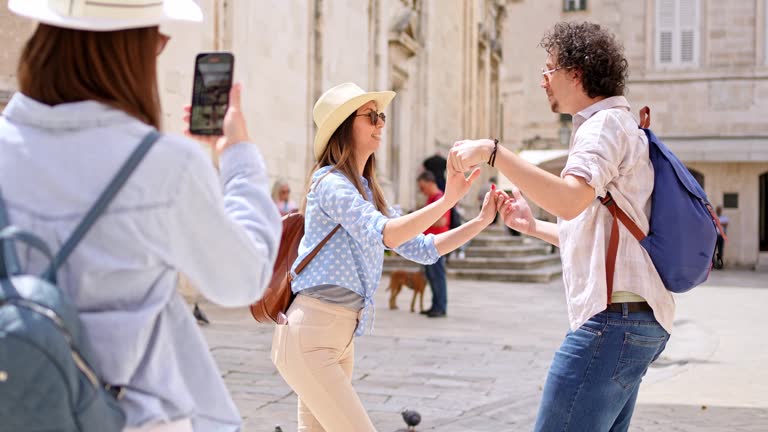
592 50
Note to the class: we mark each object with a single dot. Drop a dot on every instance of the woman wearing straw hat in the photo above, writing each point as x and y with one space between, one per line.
88 94
314 350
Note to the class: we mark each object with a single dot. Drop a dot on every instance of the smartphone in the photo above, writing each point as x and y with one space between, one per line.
210 92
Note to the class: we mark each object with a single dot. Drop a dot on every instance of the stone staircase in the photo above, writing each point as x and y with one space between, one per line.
495 255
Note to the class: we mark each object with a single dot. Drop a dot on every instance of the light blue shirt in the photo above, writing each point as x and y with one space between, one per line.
175 214
354 256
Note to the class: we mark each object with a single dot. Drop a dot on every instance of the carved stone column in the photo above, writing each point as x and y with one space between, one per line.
403 46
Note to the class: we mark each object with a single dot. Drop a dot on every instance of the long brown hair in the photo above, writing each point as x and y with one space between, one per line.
340 153
117 68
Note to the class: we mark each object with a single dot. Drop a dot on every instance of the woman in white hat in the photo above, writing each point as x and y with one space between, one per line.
314 351
87 95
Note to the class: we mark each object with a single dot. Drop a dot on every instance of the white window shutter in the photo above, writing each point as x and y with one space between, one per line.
689 31
666 20
687 46
665 47
677 32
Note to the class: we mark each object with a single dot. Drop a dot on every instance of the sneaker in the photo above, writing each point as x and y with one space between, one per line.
426 312
436 314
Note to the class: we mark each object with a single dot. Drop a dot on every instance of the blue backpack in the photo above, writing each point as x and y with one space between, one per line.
46 381
683 226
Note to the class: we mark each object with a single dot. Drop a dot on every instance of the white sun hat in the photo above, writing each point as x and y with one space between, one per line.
336 104
106 15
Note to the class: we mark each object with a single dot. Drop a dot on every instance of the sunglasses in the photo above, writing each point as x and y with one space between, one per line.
374 116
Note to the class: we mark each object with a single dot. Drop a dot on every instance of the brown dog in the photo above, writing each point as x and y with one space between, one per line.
413 280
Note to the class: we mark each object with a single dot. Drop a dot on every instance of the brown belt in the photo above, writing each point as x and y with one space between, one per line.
633 307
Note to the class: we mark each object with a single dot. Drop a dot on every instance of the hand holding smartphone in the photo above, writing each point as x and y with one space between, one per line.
210 92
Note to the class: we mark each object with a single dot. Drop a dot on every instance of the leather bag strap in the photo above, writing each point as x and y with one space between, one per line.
645 117
619 215
315 251
613 241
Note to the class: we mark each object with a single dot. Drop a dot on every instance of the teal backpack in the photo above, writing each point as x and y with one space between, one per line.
46 381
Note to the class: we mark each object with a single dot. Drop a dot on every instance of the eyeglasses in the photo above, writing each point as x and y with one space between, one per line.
374 116
162 41
547 74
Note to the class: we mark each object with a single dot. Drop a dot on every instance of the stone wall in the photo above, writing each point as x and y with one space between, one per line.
288 52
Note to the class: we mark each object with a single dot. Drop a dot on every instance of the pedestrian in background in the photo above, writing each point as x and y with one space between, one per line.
281 195
436 272
717 260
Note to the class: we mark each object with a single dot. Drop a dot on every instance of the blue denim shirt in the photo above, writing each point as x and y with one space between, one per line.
353 258
173 215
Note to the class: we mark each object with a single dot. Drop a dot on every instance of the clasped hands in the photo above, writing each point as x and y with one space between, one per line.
468 155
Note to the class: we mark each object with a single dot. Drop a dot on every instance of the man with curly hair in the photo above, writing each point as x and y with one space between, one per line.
593 381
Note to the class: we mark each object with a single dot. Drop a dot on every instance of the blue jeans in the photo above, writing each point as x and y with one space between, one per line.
436 277
595 376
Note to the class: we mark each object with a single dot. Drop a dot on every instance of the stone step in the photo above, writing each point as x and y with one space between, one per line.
484 263
498 240
539 275
509 251
504 263
496 229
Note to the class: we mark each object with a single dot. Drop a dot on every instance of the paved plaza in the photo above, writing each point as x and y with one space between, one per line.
482 368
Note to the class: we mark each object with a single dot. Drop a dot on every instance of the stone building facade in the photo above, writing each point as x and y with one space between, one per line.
702 67
443 58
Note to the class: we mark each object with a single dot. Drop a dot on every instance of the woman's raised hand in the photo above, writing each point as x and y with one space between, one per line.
457 185
491 204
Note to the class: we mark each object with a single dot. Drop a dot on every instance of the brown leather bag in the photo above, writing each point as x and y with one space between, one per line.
278 296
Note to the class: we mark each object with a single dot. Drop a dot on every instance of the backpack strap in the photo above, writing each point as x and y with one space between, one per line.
613 241
619 215
645 117
101 203
307 259
9 262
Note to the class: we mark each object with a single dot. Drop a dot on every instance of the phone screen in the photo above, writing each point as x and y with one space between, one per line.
210 92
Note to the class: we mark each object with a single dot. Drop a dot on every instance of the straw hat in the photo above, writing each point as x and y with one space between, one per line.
106 15
336 104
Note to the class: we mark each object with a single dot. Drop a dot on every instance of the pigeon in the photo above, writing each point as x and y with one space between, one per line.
412 419
199 315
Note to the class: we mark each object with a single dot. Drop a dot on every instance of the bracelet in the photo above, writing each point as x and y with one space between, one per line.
492 159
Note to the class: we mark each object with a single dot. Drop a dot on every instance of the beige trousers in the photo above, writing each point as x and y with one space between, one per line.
314 353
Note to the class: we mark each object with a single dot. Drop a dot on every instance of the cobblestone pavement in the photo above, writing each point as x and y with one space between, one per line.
482 368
